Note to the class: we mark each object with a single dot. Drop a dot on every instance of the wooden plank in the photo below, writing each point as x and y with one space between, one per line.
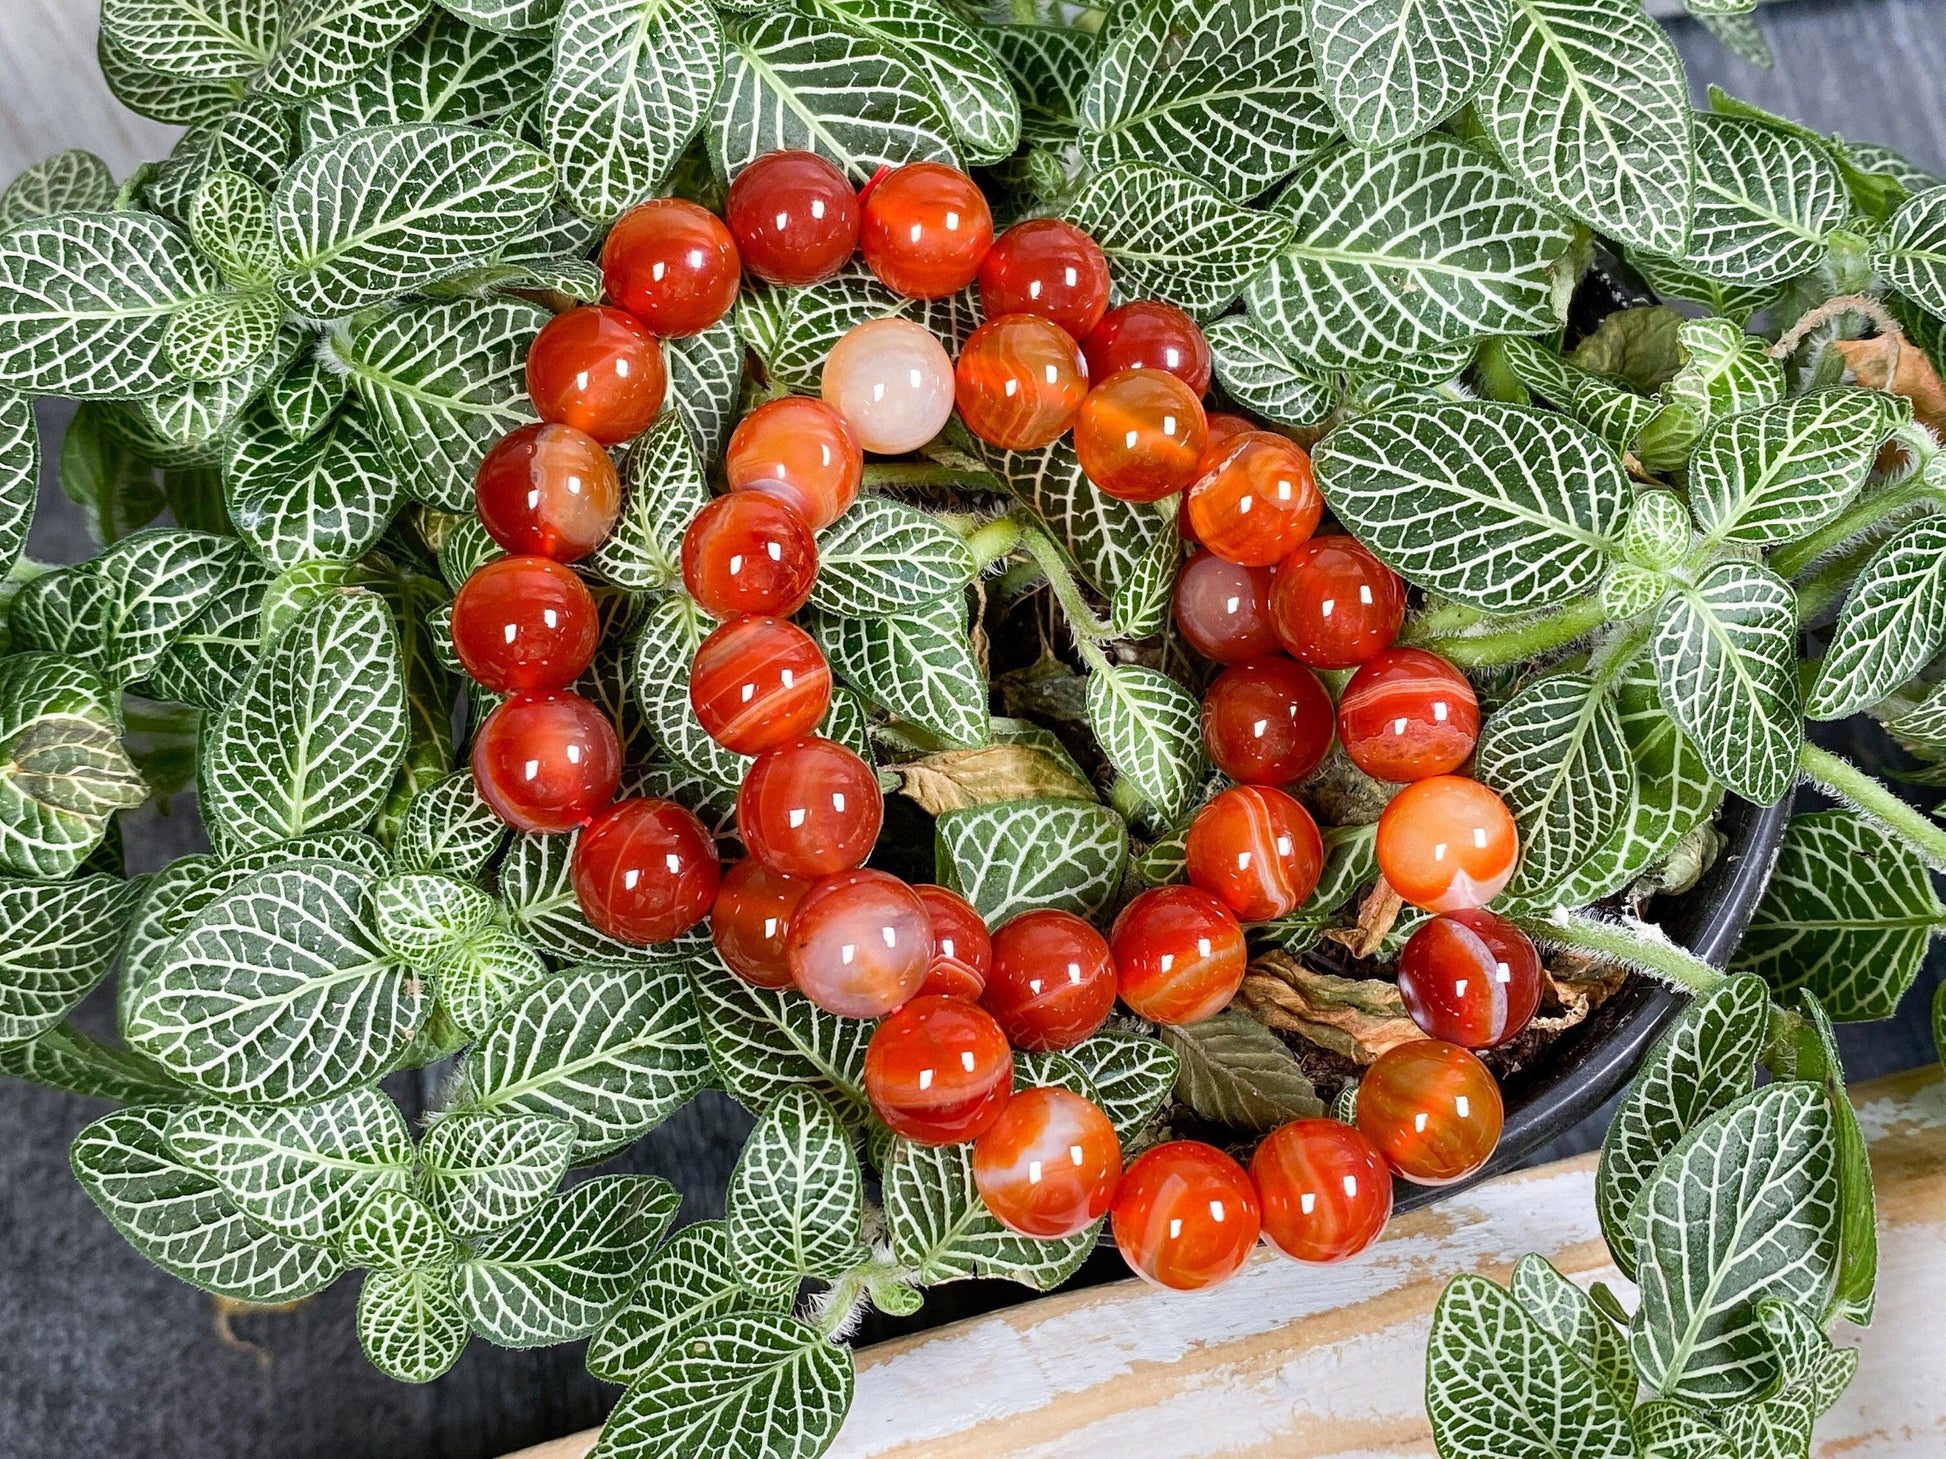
1294 1362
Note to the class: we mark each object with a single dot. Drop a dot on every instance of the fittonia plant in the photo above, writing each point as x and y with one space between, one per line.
301 332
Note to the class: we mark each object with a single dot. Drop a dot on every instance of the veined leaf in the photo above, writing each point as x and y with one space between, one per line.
1256 372
59 939
1673 280
479 1172
1151 729
705 379
509 17
1772 475
205 40
447 827
1724 371
324 44
1140 606
229 222
883 556
765 1042
1049 67
486 973
1132 1075
1016 856
1589 107
795 1206
941 1230
1765 202
1106 538
1893 622
153 583
220 335
916 665
178 100
209 657
1570 1316
1236 1072
410 1324
330 495
74 181
186 424
664 488
1391 69
446 71
63 770
1911 253
423 916
691 1282
64 1058
20 473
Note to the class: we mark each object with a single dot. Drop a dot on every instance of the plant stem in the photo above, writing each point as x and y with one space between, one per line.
1067 592
1862 515
1840 778
927 474
992 541
1633 944
1612 659
1522 640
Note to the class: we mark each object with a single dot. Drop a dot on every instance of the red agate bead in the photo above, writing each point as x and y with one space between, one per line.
1019 382
1140 435
1048 1167
938 1070
1471 978
751 919
892 382
757 682
1408 714
1048 267
547 761
925 229
522 623
673 265
1432 1109
1335 605
1259 503
1185 1216
1223 609
794 217
809 807
1447 842
548 491
1256 849
1267 722
598 370
1146 334
1323 1188
962 950
749 552
859 943
645 871
800 450
1053 980
1179 955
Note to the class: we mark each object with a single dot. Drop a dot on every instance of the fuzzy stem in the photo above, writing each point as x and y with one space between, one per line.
992 541
836 1310
1843 780
880 475
1861 516
1612 659
1477 650
1067 592
1634 944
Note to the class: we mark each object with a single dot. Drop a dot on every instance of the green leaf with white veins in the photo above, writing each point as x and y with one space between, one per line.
1151 729
1766 200
64 1058
300 1171
1773 475
917 665
1014 856
747 1387
1257 373
486 973
799 81
795 1206
1173 237
178 100
74 181
1106 538
63 770
210 656
278 992
1910 254
614 1049
941 1230
1725 657
423 916
766 1041
508 17
324 44
1724 371
443 382
705 379
86 301
883 556
692 1281
1140 606
1571 1318
666 643
20 475
1589 107
59 938
559 1274
153 583
1745 1208
1398 252
1391 69
663 489
1226 92
206 40
229 222
1556 754
186 425
410 1324
446 71
1893 622
1497 506
328 496
221 335
480 1172
376 213
448 828
632 84
1499 1385
180 1219
1132 1075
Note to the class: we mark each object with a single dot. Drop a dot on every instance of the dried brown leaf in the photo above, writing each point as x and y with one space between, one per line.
1376 914
1359 1018
1900 367
960 779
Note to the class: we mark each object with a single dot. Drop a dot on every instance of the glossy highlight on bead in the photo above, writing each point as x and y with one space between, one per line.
859 943
673 265
1324 1190
750 921
938 1070
757 682
599 370
1179 955
1432 1110
962 948
524 623
800 450
1470 977
892 382
1447 842
1408 714
1047 267
1223 608
1335 605
1053 980
809 807
1146 334
794 217
1257 849
548 491
1140 435
1185 1216
1259 503
547 762
1019 382
1048 1167
749 552
645 871
1267 722
925 229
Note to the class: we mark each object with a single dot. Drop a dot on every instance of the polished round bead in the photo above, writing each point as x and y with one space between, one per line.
925 229
1146 334
1140 435
938 1070
809 807
645 871
1259 503
1408 714
1432 1109
1223 609
799 449
548 491
757 682
962 950
859 943
1335 605
598 370
1267 721
1019 382
1447 842
794 217
1185 1216
1179 955
1323 1188
1223 429
523 623
1048 267
749 553
1053 981
673 265
893 382
1049 1165
547 762
1257 850
1471 978
751 919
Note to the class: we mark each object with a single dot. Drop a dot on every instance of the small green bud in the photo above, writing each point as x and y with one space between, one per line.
1629 590
1658 531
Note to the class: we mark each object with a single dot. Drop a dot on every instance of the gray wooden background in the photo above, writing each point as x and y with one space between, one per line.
100 1354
